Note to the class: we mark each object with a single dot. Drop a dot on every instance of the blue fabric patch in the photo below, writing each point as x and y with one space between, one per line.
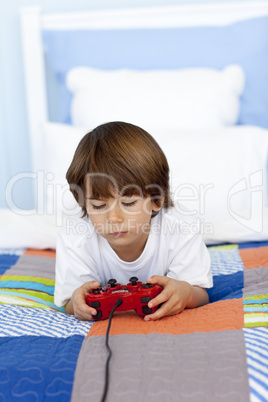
27 285
225 262
257 351
6 261
253 244
226 287
38 368
244 43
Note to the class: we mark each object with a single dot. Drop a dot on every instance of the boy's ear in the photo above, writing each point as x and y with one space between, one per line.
160 202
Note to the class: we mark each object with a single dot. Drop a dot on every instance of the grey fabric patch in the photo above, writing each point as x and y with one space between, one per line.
31 265
203 367
255 281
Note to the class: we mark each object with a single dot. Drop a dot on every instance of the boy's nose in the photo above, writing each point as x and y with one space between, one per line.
115 215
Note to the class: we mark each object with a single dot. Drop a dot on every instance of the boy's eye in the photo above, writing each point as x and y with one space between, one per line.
98 206
129 204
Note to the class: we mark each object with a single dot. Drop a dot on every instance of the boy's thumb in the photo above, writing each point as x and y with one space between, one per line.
91 285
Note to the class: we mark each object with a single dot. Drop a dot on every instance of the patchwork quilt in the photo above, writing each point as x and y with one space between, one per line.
218 352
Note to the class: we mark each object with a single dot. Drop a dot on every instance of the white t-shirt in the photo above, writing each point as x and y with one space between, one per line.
171 250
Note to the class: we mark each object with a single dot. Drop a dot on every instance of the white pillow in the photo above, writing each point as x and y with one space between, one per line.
61 141
18 229
197 98
220 177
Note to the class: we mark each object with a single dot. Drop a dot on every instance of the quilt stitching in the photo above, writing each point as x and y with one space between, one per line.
193 367
254 257
38 368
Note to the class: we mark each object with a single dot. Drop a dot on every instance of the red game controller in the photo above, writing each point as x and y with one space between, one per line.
135 295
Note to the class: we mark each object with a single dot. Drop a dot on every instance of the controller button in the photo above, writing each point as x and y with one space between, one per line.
133 280
112 282
146 310
145 299
151 285
91 291
147 286
95 304
96 292
104 290
98 315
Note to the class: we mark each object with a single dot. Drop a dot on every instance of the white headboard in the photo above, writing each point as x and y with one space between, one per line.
33 22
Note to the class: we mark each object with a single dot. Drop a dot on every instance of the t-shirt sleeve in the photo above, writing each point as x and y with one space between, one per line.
190 261
72 269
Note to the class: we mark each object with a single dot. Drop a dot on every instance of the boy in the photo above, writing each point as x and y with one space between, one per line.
120 177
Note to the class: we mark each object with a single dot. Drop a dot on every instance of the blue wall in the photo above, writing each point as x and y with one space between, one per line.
14 140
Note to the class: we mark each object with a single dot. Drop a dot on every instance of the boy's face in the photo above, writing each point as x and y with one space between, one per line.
123 221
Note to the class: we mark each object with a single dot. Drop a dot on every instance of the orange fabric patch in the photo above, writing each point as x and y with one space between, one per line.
220 316
40 253
254 257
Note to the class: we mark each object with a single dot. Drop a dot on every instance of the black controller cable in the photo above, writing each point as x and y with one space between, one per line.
117 304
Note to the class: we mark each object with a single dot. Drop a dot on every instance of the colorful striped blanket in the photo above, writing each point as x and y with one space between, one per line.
218 352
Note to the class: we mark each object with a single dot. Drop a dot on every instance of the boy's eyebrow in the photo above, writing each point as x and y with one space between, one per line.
101 199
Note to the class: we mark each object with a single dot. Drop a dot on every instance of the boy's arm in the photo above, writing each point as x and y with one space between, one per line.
199 297
175 297
69 309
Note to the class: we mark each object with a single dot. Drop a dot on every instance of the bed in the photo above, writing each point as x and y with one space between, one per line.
209 112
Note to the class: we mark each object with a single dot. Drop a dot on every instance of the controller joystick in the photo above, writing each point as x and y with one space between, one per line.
133 280
112 282
135 296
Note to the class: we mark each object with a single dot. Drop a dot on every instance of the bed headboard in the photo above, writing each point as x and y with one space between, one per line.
210 21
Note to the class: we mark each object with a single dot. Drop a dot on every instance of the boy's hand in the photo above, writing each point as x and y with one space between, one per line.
175 297
78 306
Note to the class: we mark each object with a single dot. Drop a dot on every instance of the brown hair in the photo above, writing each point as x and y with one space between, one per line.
119 157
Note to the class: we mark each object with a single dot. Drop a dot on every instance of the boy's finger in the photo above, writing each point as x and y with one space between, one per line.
84 317
90 311
91 285
85 310
160 280
159 299
83 306
161 312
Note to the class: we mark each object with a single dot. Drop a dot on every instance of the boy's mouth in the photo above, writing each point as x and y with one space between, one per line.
118 234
